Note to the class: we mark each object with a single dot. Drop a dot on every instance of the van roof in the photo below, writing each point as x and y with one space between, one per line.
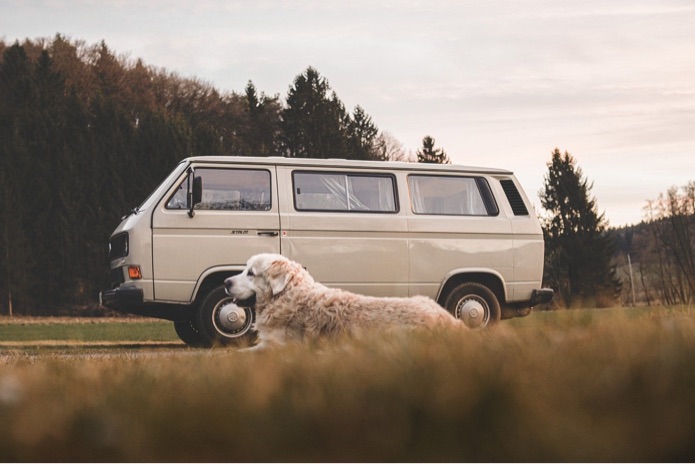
344 163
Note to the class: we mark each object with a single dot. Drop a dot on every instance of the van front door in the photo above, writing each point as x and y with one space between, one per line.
237 218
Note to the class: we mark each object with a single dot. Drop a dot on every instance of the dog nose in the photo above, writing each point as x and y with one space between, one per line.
228 284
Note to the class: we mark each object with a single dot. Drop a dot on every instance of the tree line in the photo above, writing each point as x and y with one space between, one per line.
86 134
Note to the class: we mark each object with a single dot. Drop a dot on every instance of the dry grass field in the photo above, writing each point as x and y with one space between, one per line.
583 385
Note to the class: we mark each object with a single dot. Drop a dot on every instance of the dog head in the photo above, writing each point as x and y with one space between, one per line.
265 276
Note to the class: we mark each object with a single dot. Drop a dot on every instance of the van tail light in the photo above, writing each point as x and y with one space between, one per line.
134 273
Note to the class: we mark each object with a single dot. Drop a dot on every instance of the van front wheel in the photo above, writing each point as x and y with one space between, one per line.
188 333
221 322
474 304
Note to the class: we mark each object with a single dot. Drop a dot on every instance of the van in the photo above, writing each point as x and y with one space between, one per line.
466 237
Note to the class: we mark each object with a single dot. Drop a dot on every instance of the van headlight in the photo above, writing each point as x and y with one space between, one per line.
118 246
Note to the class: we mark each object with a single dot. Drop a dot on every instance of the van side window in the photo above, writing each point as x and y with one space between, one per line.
330 191
449 195
229 190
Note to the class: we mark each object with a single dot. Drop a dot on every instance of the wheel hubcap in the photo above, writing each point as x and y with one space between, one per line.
231 320
473 311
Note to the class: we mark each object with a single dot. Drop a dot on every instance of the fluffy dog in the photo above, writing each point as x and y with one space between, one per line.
290 305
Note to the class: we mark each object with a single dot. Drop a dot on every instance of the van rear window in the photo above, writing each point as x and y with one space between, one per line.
344 192
228 189
451 196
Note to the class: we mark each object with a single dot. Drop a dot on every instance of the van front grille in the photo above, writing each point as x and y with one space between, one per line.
514 197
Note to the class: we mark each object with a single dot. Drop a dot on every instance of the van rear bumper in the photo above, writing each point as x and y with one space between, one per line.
131 300
540 296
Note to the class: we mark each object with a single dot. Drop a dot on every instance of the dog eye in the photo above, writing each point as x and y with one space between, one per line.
250 273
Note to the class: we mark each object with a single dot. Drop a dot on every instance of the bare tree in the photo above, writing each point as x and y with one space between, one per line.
389 148
671 219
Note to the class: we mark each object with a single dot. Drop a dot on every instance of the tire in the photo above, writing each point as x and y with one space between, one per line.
222 323
188 333
475 304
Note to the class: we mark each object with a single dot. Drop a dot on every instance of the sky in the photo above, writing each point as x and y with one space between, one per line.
496 83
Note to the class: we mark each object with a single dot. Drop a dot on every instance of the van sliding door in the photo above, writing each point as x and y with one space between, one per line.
346 228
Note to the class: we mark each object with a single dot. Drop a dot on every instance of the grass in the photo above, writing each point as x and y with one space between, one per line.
86 330
590 385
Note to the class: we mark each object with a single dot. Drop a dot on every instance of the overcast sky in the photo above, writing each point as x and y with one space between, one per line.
496 83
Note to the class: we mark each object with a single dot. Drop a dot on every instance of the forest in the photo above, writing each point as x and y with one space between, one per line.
86 134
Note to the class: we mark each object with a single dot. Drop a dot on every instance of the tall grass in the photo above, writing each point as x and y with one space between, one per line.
610 385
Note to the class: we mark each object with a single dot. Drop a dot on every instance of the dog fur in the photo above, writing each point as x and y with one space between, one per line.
290 305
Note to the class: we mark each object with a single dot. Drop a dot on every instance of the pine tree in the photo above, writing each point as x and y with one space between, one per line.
313 122
259 131
577 248
17 102
362 136
16 251
429 154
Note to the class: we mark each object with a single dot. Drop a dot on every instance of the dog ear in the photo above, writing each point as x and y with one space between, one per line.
279 274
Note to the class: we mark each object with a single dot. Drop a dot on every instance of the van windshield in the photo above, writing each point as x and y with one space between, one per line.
162 187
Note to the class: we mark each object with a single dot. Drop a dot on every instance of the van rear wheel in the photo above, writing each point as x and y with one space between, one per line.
474 304
223 323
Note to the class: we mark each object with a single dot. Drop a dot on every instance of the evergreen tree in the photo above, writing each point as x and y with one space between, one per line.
16 90
260 130
362 136
429 154
52 231
577 248
313 122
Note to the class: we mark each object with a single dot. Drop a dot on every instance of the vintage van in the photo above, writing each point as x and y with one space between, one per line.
466 237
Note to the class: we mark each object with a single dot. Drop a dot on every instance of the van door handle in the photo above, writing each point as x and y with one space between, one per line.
268 233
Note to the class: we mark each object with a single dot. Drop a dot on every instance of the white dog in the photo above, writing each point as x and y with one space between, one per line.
290 305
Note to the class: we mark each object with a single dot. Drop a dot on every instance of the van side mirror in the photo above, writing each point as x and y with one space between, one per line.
195 192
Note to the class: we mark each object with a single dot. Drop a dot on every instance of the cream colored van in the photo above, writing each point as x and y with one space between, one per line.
466 237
